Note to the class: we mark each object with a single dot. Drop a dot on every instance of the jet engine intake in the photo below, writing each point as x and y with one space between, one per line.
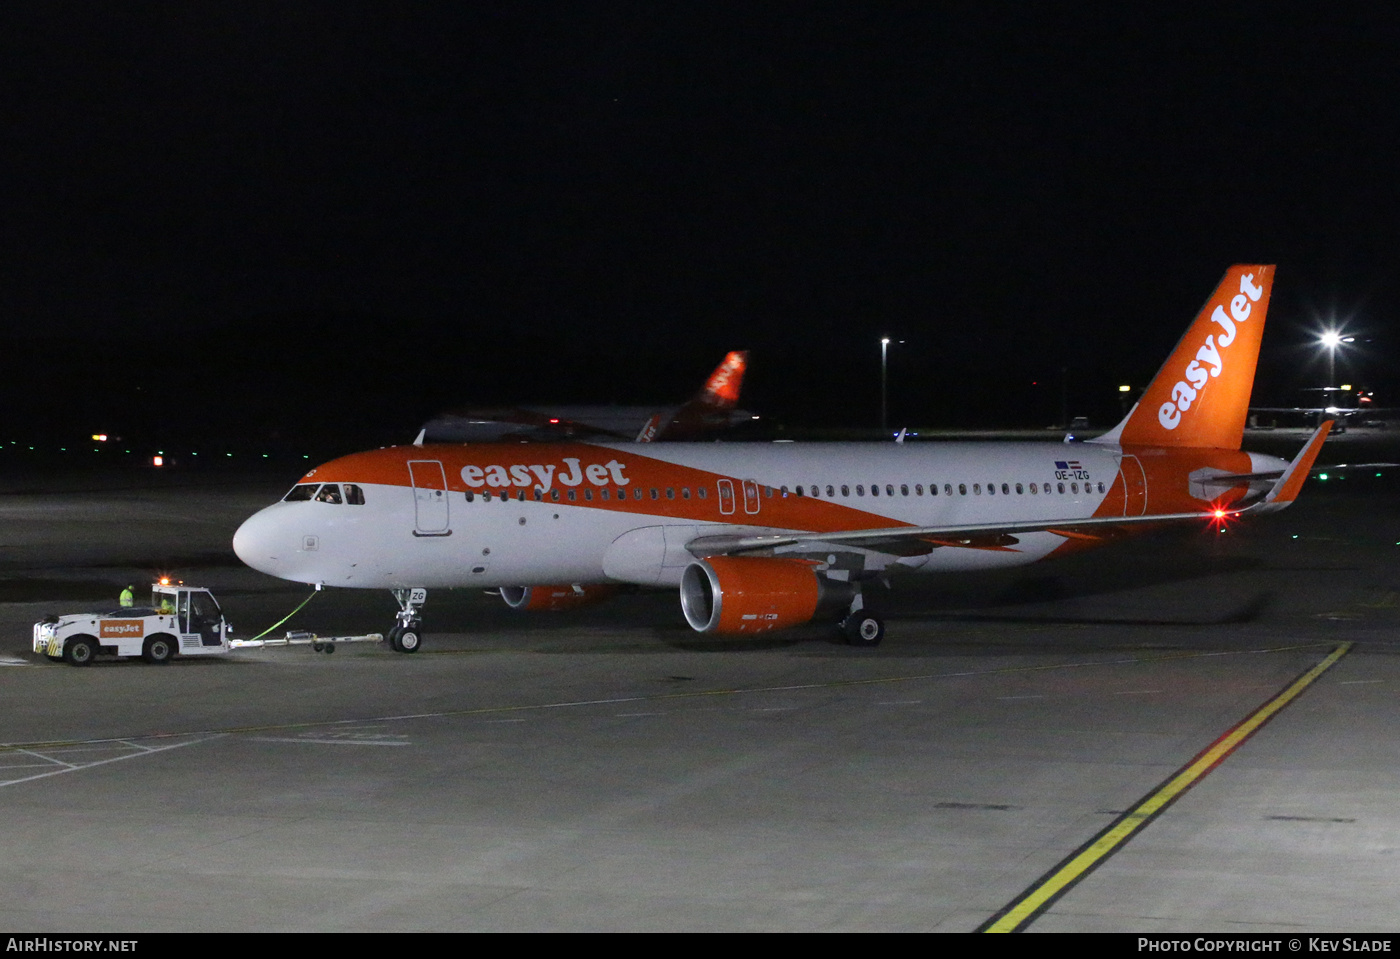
751 594
567 596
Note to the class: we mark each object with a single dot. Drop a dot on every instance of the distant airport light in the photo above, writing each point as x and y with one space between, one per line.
1124 388
1330 340
1346 387
100 437
157 460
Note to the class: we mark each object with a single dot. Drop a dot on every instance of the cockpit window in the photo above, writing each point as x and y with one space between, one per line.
330 493
354 495
301 492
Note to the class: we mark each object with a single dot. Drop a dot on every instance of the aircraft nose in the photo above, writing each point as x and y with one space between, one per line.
257 543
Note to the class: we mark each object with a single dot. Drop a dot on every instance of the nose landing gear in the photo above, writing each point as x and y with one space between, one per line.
407 633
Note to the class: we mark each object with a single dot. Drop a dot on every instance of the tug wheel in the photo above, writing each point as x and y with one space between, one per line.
79 650
158 649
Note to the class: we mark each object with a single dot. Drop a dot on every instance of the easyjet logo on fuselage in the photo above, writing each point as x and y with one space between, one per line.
1196 375
544 475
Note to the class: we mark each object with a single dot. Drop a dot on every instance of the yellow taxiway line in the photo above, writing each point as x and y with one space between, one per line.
1023 910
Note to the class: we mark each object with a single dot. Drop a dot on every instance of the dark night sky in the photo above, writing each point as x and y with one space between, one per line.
345 217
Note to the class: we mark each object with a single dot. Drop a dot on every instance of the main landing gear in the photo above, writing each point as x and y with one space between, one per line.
860 626
407 634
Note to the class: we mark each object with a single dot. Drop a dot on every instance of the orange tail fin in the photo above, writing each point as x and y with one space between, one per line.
1200 397
721 390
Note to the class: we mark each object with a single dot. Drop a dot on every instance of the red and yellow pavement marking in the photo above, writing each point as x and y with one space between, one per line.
1045 891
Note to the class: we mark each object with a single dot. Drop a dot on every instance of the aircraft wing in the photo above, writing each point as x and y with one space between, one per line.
910 540
899 539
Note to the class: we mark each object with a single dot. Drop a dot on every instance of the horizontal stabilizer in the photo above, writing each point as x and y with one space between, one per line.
1285 491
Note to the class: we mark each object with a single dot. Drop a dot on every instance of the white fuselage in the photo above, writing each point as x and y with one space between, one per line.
447 525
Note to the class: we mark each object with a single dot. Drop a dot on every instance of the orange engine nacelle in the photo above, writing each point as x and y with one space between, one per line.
556 597
746 594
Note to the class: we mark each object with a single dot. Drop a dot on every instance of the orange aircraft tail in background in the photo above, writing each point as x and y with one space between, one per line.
722 388
720 393
1200 397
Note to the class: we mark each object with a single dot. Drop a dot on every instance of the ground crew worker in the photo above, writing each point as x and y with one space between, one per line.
128 597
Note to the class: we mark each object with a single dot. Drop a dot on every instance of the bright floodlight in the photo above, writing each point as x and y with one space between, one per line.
1331 339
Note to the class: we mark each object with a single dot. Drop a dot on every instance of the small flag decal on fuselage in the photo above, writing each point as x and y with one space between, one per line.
1067 465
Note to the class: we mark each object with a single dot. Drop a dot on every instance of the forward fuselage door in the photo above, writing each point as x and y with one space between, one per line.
430 510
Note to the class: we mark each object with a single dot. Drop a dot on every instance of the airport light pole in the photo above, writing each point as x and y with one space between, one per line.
884 383
885 342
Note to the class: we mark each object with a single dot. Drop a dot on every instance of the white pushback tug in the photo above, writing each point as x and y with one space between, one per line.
181 620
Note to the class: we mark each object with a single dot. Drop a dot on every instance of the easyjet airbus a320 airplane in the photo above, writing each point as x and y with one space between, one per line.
759 537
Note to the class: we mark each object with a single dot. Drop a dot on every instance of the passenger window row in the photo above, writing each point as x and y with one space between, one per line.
831 491
1006 489
326 493
604 495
